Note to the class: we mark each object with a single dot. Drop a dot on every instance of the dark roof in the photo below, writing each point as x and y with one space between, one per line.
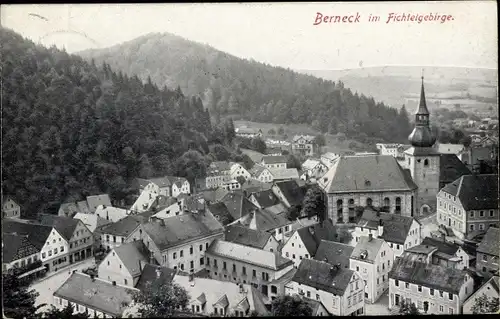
96 200
95 294
265 198
313 235
37 233
451 168
238 205
442 246
245 236
491 242
366 173
64 225
274 159
428 275
395 227
150 275
132 254
334 253
367 248
17 247
180 229
323 276
127 225
475 191
291 190
221 213
264 220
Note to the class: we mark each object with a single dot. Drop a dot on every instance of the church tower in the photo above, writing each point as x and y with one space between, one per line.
423 160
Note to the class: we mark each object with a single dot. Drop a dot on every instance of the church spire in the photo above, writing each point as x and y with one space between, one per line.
422 108
422 135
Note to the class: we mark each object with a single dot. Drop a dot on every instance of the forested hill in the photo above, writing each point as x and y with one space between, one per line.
72 129
253 91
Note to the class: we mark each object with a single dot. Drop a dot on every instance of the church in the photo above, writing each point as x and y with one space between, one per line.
407 187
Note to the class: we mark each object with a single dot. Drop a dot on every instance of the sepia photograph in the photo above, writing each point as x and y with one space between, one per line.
164 160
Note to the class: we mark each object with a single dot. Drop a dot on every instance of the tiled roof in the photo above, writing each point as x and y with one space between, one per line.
16 247
334 253
291 190
245 236
274 159
237 204
64 225
451 168
220 166
475 191
132 255
180 229
308 138
395 227
266 198
442 246
221 213
111 213
257 169
96 294
276 209
37 233
449 148
140 183
313 235
97 200
323 276
263 220
152 273
162 182
491 242
368 248
127 225
252 185
309 164
428 275
250 255
214 195
366 173
284 173
247 130
92 221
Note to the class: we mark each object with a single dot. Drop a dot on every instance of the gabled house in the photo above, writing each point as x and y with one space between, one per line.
488 251
146 199
19 253
152 274
340 290
97 200
289 193
270 161
284 174
10 208
312 169
120 232
490 289
169 186
441 252
261 173
124 263
334 253
180 205
304 145
264 220
251 237
238 170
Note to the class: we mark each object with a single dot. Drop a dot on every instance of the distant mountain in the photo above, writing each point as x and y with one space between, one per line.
248 90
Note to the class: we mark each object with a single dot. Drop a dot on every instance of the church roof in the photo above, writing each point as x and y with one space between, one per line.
422 107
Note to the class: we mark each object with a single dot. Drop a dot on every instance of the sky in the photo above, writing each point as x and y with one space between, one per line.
280 34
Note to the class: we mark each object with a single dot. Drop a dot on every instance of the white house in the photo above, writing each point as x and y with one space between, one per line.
146 198
304 145
261 173
10 209
372 258
284 174
239 170
231 185
490 289
270 161
329 158
248 132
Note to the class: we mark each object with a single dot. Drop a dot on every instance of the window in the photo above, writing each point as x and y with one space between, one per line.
317 297
287 254
191 264
481 226
234 267
108 262
450 310
244 270
398 205
201 247
378 281
308 294
357 268
441 308
481 213
43 255
61 248
441 294
396 283
450 296
407 285
50 253
307 256
120 266
491 213
202 261
114 239
254 273
485 258
181 254
419 288
387 202
426 162
293 256
191 250
432 292
471 214
348 301
369 202
206 246
174 255
215 263
125 280
224 265
471 226
182 266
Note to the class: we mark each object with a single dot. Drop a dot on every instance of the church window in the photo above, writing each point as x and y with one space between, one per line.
426 162
387 202
398 205
339 211
369 201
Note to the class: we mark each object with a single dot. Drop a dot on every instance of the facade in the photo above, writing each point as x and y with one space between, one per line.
270 161
10 209
238 170
231 185
372 258
261 173
264 270
304 145
469 205
439 252
488 251
490 289
20 252
432 288
115 234
377 181
340 290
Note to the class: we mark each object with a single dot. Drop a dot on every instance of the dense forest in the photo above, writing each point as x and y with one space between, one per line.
71 128
243 89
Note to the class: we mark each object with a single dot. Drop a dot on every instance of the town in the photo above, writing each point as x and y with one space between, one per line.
409 229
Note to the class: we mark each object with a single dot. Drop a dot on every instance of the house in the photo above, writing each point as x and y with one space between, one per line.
251 237
120 232
289 193
334 253
69 209
372 258
76 234
388 149
444 148
313 169
264 220
238 170
154 274
94 223
439 252
210 297
214 195
181 205
221 213
304 145
488 251
94 296
230 185
284 174
238 205
237 263
318 308
124 263
270 161
329 158
400 232
340 290
180 242
253 185
248 132
146 199
10 208
490 289
367 181
476 153
433 289
273 150
169 186
19 253
261 173
52 245
111 213
469 205
305 241
451 169
266 199
97 200
218 173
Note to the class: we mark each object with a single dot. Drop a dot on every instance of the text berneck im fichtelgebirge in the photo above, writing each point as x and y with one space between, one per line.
391 18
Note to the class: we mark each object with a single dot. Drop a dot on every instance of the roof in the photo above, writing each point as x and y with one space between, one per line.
284 173
127 225
96 200
180 229
132 255
274 159
163 181
37 234
442 246
238 205
366 173
451 168
310 164
491 242
111 213
323 276
314 305
150 274
64 225
210 292
262 219
252 185
395 227
276 209
69 209
221 213
475 191
368 248
18 247
246 236
140 183
454 149
220 166
92 221
428 275
313 235
250 255
214 195
247 130
95 294
265 198
334 253
257 169
291 190
308 138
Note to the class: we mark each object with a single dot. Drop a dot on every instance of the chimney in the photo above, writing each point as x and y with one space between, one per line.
92 277
158 273
370 237
114 283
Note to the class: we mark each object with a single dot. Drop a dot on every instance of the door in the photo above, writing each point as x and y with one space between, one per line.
396 299
71 258
264 290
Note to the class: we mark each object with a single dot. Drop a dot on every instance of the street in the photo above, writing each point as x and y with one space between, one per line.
380 308
47 286
429 224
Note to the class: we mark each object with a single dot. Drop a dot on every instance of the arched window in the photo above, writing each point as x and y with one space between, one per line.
340 218
387 202
398 205
426 162
352 213
369 202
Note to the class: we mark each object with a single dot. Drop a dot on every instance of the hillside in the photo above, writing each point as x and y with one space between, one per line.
72 129
248 90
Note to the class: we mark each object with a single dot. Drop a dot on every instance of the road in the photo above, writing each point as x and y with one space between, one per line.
380 308
429 224
47 286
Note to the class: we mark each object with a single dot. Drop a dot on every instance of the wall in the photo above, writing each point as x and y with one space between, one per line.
58 248
11 209
295 249
487 289
426 178
111 241
486 262
113 269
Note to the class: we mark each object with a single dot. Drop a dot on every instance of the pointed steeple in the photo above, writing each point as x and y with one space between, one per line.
422 135
422 107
